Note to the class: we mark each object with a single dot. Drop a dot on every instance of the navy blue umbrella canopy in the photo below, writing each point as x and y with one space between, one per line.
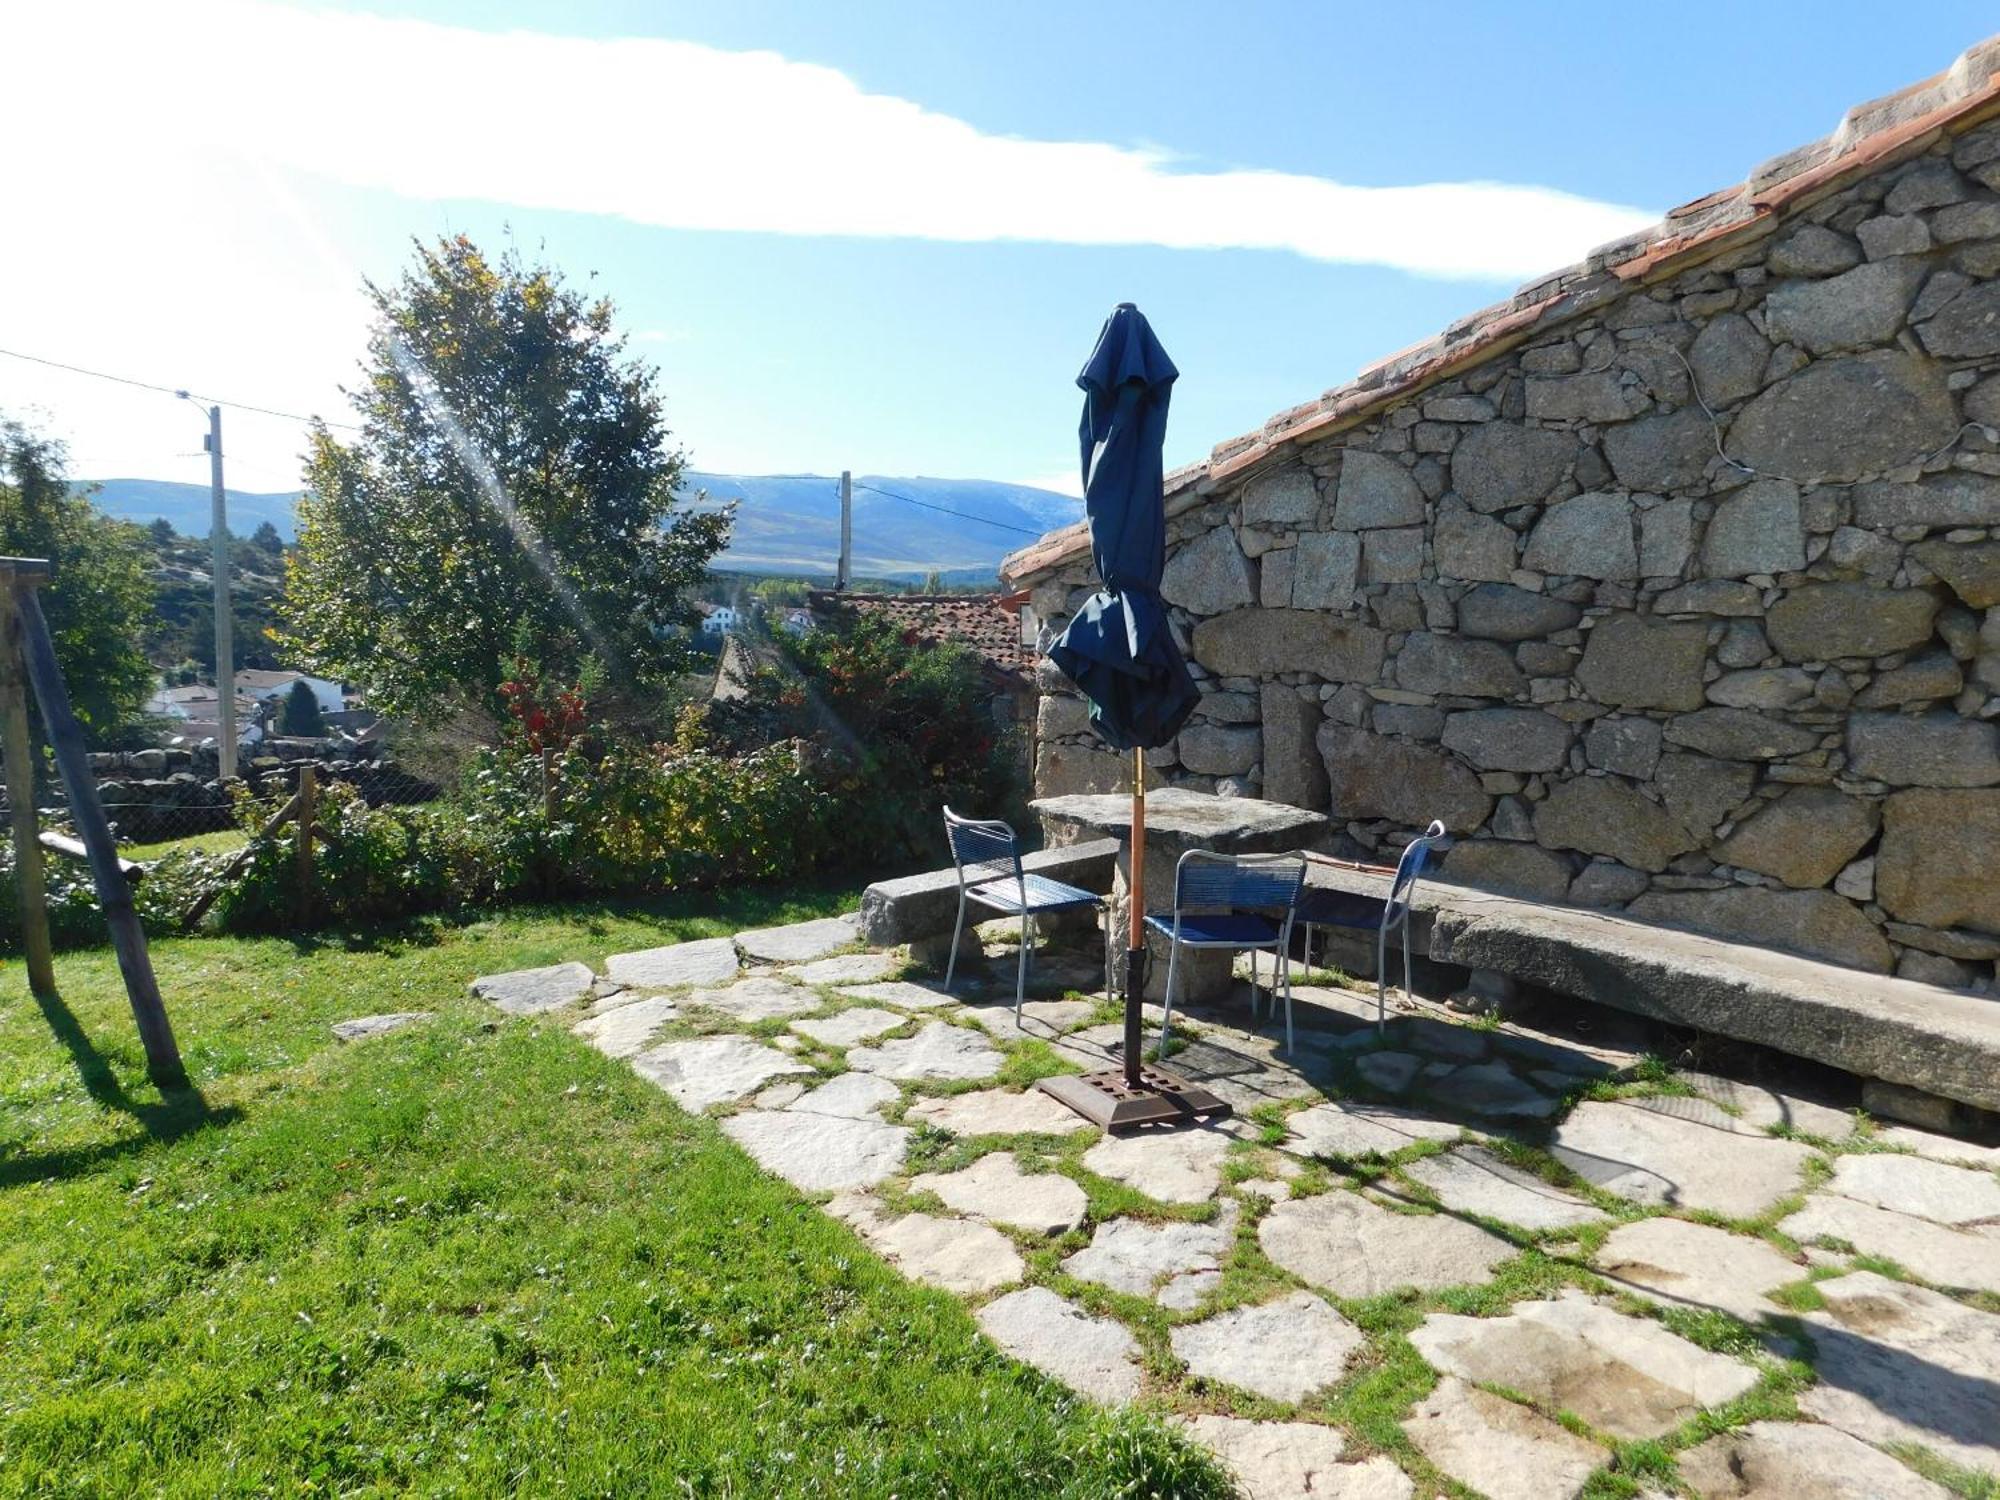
1119 649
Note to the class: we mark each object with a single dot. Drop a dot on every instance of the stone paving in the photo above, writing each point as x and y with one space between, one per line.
1452 1254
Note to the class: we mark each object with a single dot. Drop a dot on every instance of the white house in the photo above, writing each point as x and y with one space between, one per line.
720 620
274 687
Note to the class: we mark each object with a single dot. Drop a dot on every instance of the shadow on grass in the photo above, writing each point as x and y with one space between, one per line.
178 1112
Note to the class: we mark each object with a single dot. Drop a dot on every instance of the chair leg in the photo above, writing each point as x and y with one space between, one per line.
1021 973
1253 988
1408 993
1288 1004
1167 1014
1105 912
1381 980
957 927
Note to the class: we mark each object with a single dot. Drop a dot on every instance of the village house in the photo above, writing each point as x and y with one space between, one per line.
1671 584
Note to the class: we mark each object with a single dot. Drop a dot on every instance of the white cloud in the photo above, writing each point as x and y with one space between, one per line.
685 136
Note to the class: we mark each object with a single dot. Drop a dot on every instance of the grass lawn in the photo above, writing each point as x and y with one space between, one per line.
222 841
469 1257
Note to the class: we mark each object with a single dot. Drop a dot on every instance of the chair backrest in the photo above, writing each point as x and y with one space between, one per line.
984 851
1239 882
1404 887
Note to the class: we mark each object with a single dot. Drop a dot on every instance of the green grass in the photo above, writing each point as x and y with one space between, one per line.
469 1257
221 841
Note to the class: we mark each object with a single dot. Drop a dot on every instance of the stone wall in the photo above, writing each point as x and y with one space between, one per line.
1689 607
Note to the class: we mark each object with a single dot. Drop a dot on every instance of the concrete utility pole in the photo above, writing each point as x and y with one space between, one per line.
225 625
845 575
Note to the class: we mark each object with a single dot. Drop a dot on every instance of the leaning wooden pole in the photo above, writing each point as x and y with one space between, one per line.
17 754
114 893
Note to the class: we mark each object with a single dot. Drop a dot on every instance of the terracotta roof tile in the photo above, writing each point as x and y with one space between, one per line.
989 623
1869 136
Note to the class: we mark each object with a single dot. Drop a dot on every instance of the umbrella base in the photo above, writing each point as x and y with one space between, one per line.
1107 1099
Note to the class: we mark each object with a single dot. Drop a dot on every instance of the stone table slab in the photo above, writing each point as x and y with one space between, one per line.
529 992
1627 1376
758 998
1096 1357
1799 1461
1924 1189
848 1027
797 942
1180 1164
846 968
1472 1180
1133 1256
1901 1364
998 1112
968 1259
820 1153
362 1027
1354 1247
1679 1264
627 1029
705 961
995 1189
713 1069
1283 1350
1346 1128
1938 1254
1500 1449
1296 1461
1651 1157
940 1051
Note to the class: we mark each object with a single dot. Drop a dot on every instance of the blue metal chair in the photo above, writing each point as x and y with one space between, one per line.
1236 901
1329 908
988 858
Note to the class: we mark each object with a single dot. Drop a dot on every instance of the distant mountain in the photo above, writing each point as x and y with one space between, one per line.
785 523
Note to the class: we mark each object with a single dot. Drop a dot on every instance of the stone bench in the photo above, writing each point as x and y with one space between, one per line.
916 907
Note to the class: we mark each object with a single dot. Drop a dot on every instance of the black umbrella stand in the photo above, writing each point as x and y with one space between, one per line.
1135 1094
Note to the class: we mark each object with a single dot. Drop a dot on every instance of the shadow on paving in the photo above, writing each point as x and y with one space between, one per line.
178 1112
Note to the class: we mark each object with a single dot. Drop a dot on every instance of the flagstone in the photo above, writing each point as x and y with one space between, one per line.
1095 1357
1503 1450
1652 1157
966 1258
1945 1148
1491 1088
1131 1255
995 1189
1354 1247
998 1112
1627 1376
1177 1164
778 1095
1762 1107
1296 1461
900 993
940 1050
627 1029
847 1027
1472 1180
852 1096
1283 1350
529 992
758 998
1680 1264
1188 1290
1391 1072
798 942
847 968
704 961
1039 1018
1933 1252
1799 1461
362 1027
1902 1364
1347 1128
820 1153
713 1069
1912 1185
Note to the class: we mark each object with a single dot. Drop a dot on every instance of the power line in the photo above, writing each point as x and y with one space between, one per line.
167 390
963 515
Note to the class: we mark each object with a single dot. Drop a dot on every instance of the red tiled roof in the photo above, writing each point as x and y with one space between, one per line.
989 623
1870 136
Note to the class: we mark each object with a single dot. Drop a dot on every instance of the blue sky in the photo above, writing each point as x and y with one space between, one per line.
220 247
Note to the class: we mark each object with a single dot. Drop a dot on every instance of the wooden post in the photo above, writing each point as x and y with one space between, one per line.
163 1056
17 752
302 851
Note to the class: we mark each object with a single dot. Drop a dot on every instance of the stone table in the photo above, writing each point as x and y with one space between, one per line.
1177 821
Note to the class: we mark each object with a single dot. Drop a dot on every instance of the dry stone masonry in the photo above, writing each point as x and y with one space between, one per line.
1688 606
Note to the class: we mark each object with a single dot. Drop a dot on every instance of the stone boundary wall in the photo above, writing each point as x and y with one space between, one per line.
1688 608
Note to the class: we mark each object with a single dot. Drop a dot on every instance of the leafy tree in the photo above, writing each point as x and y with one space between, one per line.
299 715
99 595
266 539
162 531
511 495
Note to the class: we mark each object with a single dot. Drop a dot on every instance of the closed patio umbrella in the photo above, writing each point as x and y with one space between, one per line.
1120 651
